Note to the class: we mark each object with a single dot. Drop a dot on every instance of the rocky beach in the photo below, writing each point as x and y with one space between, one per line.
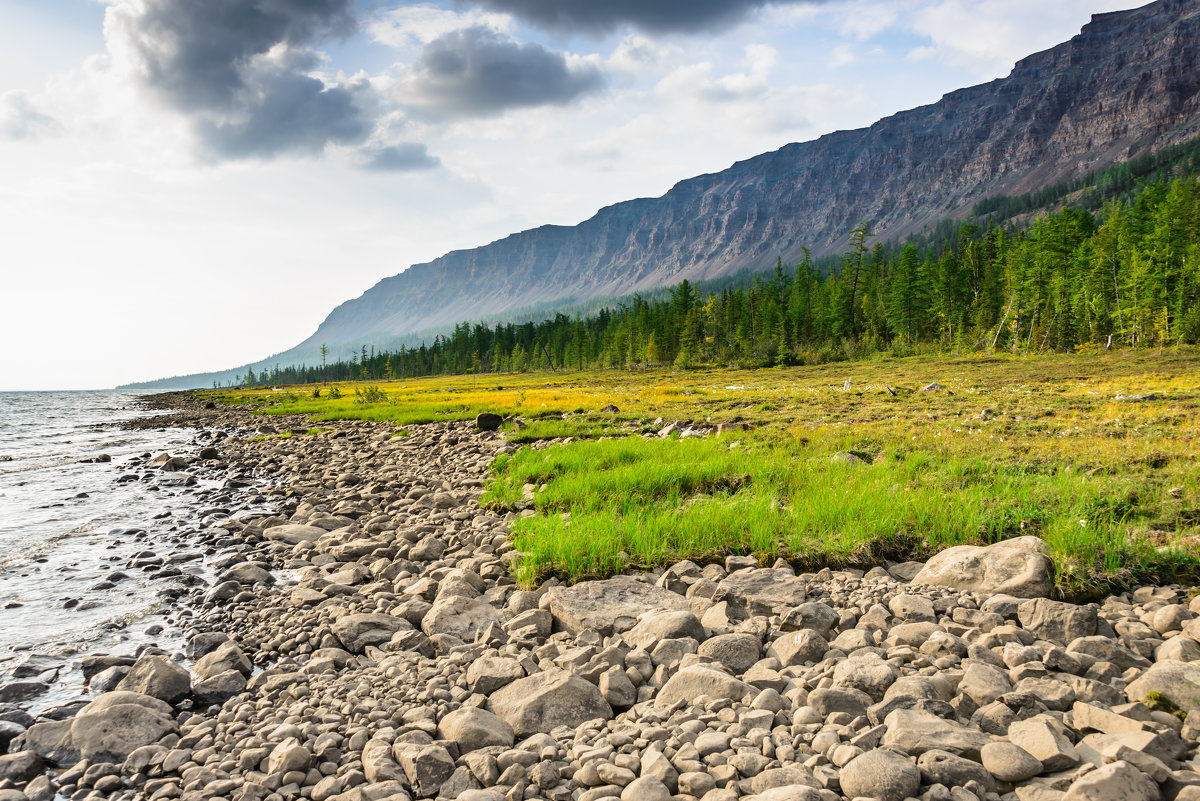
360 637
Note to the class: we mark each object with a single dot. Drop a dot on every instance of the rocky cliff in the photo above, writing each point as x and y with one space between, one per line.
1127 84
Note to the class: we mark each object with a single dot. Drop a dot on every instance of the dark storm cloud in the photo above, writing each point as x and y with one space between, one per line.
652 16
405 157
480 72
239 69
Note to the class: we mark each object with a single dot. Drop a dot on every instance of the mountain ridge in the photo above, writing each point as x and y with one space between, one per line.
1125 85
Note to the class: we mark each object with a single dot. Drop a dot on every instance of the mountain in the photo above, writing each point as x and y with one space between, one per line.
1125 86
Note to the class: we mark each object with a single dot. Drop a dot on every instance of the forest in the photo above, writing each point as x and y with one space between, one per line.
1123 275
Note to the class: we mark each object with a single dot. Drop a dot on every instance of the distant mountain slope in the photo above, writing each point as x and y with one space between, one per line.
1128 84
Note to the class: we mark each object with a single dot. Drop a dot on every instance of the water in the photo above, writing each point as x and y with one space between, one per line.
67 526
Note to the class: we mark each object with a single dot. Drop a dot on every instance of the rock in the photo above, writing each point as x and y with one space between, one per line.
426 766
544 700
647 788
293 534
460 617
695 680
761 591
736 652
357 631
473 728
17 691
941 767
799 648
219 688
617 689
490 673
1178 682
667 624
288 756
1118 781
1057 621
818 617
247 574
880 774
1009 763
20 767
157 677
915 731
107 730
223 658
599 605
1041 737
1017 567
983 683
1105 649
486 421
870 674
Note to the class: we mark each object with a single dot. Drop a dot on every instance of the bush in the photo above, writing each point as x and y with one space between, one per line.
371 394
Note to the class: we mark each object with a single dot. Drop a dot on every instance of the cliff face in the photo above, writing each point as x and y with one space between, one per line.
1127 84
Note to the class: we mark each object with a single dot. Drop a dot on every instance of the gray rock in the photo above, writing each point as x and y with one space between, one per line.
544 700
915 731
489 673
1057 621
293 534
880 774
426 766
357 631
157 677
737 652
798 648
1017 567
942 767
219 688
617 689
288 756
1119 781
473 728
1104 649
1179 682
1042 737
224 657
646 788
867 673
666 624
464 618
763 591
20 767
247 574
828 700
697 680
1010 763
599 605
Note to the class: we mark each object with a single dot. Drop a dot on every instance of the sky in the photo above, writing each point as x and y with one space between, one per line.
191 186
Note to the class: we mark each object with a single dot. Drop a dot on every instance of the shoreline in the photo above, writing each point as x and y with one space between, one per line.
367 641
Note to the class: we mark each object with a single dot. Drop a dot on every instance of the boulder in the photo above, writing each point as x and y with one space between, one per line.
1009 763
1178 682
460 617
736 652
426 766
1057 621
1017 567
293 534
20 767
357 631
665 624
1042 738
247 574
798 648
106 730
696 680
473 728
544 700
915 731
600 605
223 658
157 677
290 755
489 673
870 674
486 421
219 688
1119 781
880 774
762 591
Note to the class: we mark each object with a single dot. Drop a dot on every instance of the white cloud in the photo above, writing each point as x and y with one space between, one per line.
420 24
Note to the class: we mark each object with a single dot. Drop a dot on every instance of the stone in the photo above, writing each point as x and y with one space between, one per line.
665 624
540 702
20 767
1105 649
293 534
696 680
489 673
915 731
426 766
869 673
1118 781
912 608
1017 567
219 688
880 774
983 683
224 657
487 421
249 574
1057 621
828 700
942 767
761 591
357 631
819 617
1010 763
107 730
798 648
737 652
288 756
646 788
460 617
473 728
599 605
1041 737
617 689
1178 682
157 677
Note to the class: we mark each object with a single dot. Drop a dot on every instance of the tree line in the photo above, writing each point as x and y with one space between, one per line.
1126 275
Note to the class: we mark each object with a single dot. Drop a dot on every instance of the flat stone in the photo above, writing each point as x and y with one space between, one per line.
1119 781
293 533
1017 567
915 731
599 605
762 591
357 631
1178 682
1041 738
540 702
1057 621
696 680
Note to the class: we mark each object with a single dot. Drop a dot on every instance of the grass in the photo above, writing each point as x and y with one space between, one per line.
1053 445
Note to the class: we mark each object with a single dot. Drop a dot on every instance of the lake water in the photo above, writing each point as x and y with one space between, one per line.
72 532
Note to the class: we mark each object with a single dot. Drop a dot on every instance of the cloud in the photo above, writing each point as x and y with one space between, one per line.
404 157
479 72
21 119
422 23
595 17
242 70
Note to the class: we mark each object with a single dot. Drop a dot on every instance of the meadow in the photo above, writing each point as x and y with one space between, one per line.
847 464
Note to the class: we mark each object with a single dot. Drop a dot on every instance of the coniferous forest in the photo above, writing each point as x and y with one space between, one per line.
1125 274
